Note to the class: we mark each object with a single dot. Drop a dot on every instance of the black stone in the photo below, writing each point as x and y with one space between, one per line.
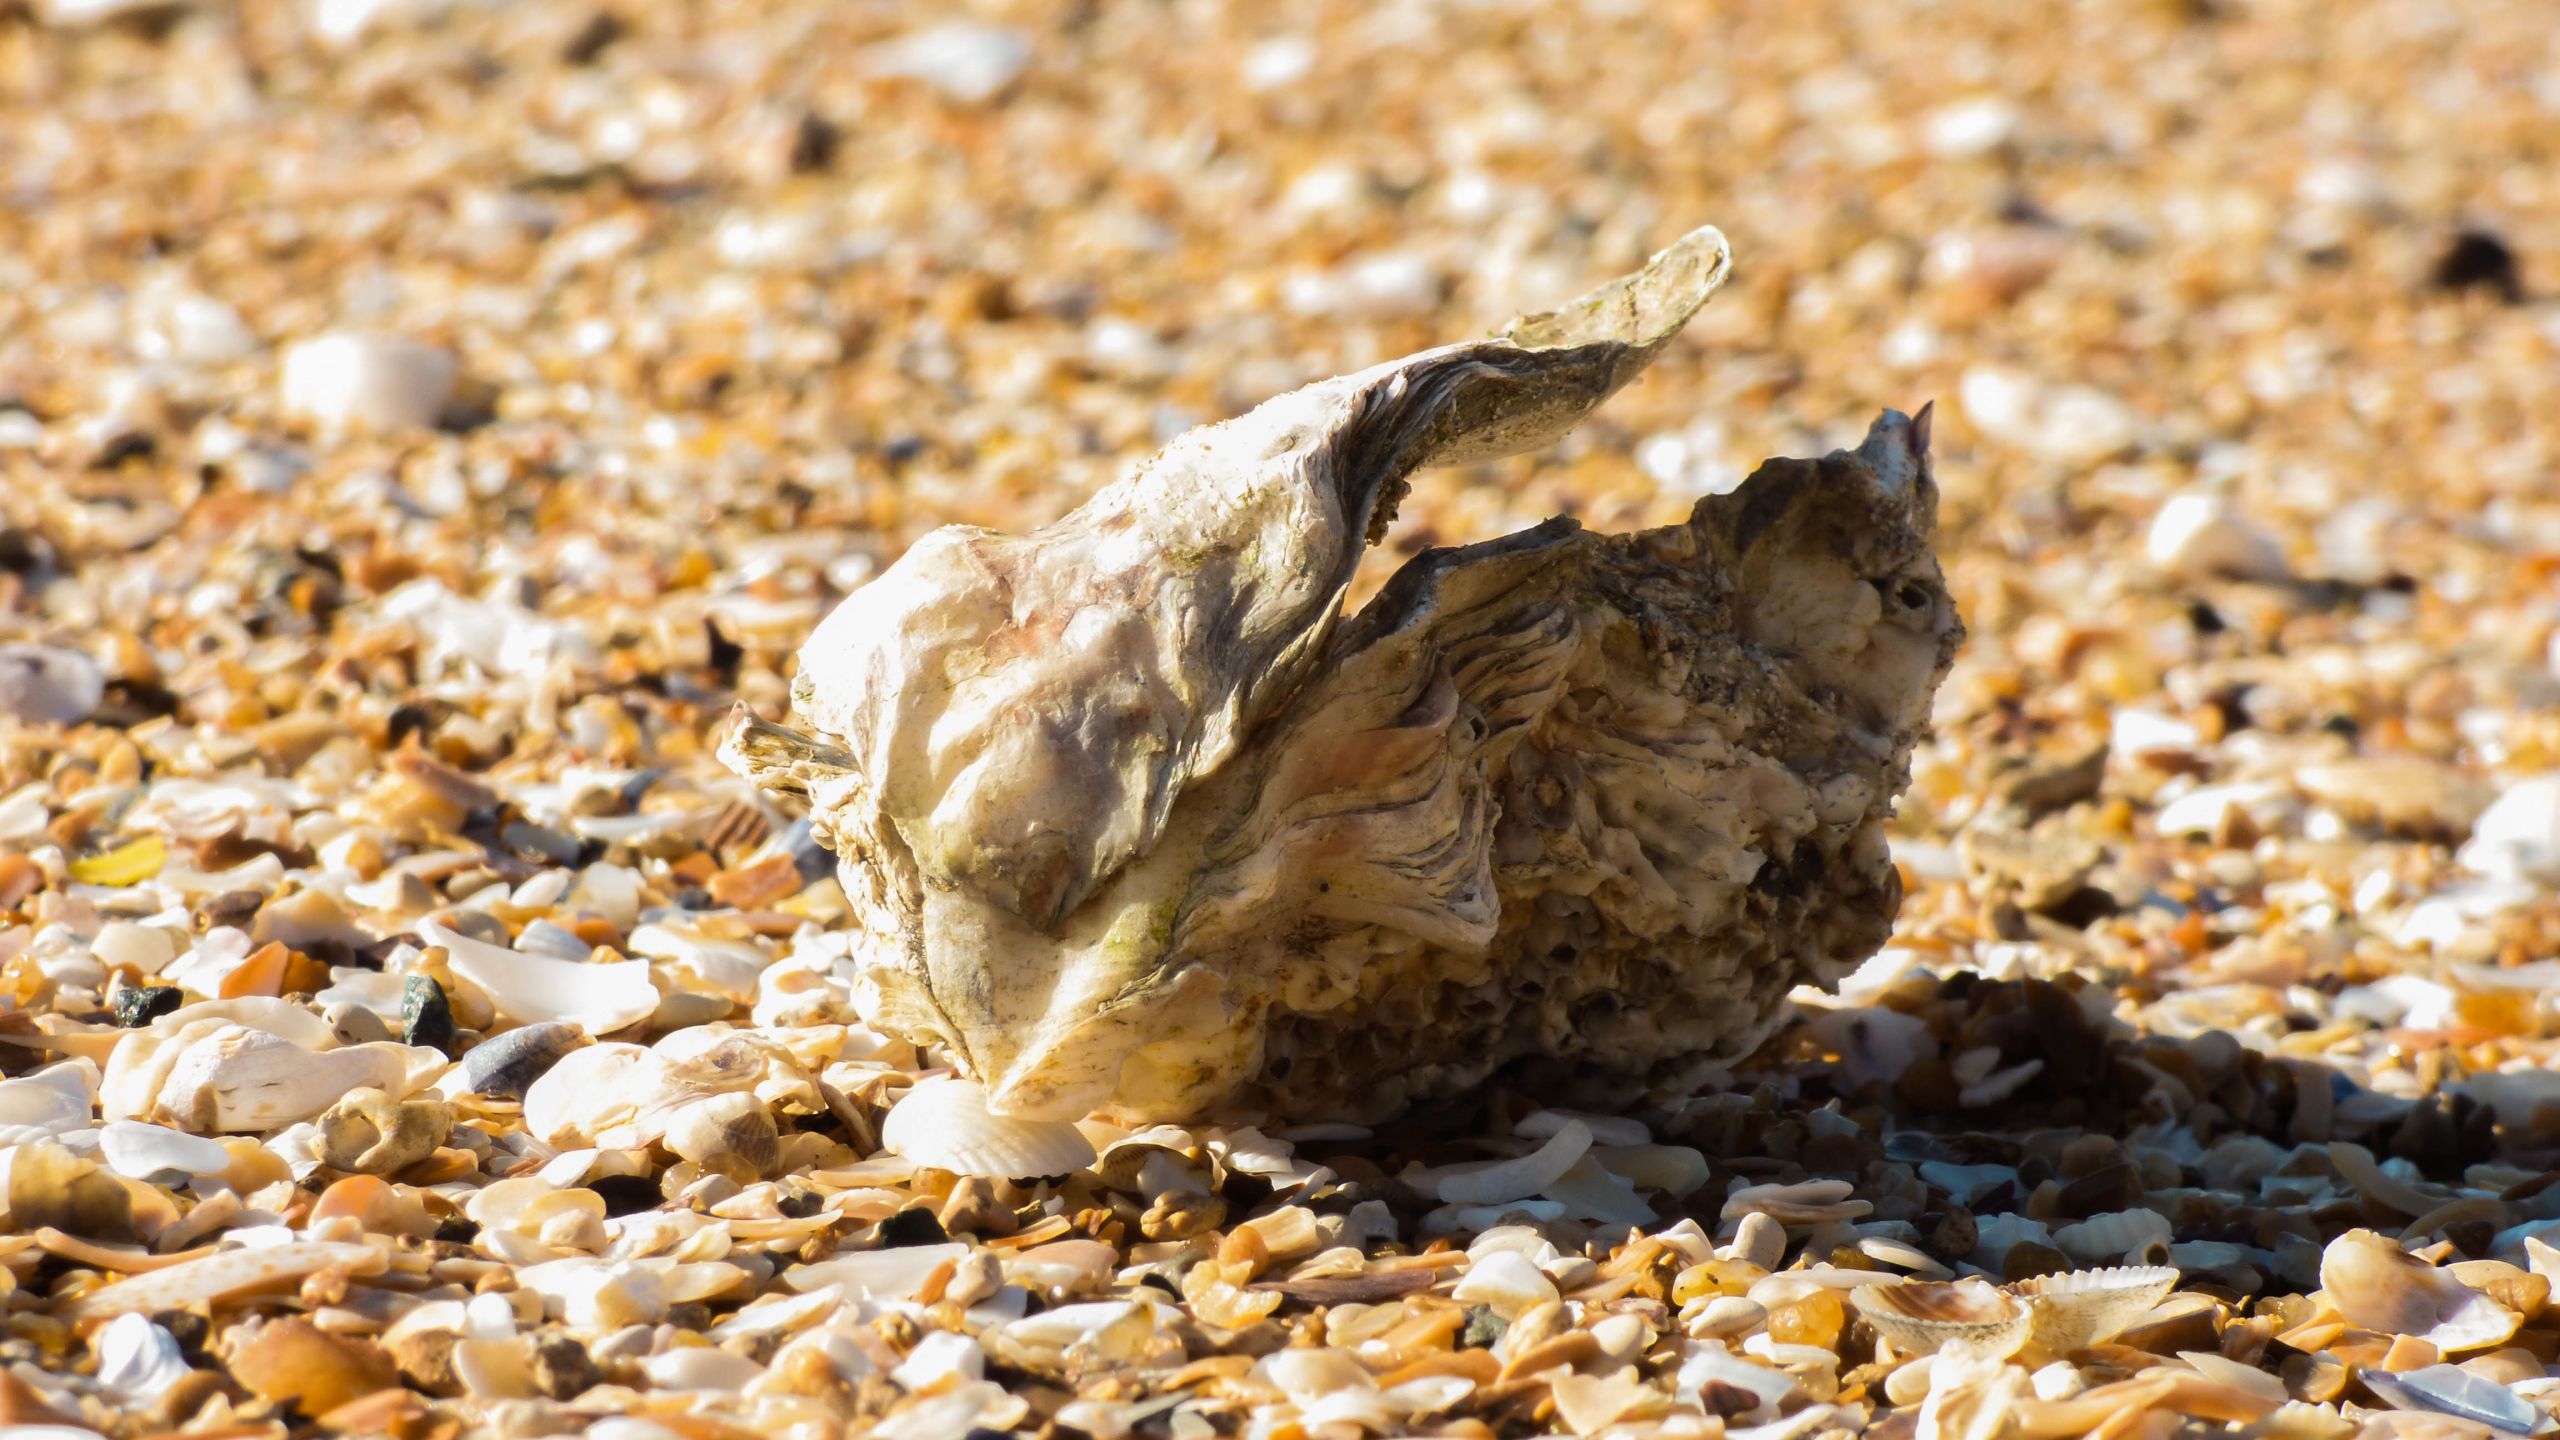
911 1227
626 1194
505 1066
426 1017
143 1004
2479 260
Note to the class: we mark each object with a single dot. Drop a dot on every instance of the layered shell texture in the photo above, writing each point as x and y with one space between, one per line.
1137 820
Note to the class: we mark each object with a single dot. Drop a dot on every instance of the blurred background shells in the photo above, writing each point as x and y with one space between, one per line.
2228 866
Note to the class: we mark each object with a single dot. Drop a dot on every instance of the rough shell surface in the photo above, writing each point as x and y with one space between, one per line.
1598 799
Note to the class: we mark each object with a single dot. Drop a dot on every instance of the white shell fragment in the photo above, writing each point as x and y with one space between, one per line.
211 1076
219 1277
1250 849
530 989
369 382
945 1123
2376 1284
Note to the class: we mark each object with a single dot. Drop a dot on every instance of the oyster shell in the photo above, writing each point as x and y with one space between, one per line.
1135 821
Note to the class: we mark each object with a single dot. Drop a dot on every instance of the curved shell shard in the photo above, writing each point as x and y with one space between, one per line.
1136 821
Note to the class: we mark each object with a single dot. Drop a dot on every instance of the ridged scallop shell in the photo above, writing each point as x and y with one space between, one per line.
1923 1318
2080 1308
944 1123
2377 1285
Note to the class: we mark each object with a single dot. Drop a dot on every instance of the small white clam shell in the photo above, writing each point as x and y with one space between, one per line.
2377 1285
138 1360
944 1123
1965 1316
2080 1308
530 988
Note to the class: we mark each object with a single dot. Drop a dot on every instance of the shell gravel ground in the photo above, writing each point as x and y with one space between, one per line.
420 422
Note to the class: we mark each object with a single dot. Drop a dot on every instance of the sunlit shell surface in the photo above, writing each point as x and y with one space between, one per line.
2080 1308
1136 821
944 1123
2379 1286
1967 1316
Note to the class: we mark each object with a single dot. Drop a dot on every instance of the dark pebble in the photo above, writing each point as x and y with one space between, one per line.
626 1194
2478 260
505 1066
911 1227
1484 1328
426 1017
143 1004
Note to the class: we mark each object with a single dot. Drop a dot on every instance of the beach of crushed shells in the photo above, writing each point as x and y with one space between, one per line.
420 421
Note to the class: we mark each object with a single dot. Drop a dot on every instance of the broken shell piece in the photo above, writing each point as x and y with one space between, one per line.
1137 821
2376 1284
2452 1390
945 1123
530 988
50 1186
221 1277
2080 1308
141 1151
1494 1182
721 1129
210 1076
1924 1317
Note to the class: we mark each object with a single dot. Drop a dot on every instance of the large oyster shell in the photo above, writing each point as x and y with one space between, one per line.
1136 822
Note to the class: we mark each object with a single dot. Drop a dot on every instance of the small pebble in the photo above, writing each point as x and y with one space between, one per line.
347 381
46 685
505 1065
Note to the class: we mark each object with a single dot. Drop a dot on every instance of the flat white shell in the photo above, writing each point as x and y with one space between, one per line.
48 1102
140 1151
529 988
944 1123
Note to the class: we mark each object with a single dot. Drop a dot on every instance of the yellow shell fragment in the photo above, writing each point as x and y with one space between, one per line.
127 864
